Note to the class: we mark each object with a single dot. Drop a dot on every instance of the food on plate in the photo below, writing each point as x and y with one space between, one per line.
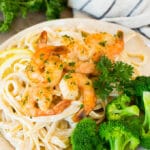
121 134
118 108
55 85
145 135
85 135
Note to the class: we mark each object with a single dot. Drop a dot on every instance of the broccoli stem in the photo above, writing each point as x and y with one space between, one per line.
120 144
145 136
130 111
120 108
146 123
116 144
146 99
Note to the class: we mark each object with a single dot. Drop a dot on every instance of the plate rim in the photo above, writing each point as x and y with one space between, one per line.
4 44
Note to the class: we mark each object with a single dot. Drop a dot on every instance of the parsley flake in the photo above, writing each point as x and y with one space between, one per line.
72 64
67 76
103 43
48 79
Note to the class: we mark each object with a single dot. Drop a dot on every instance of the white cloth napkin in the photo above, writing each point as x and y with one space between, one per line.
134 14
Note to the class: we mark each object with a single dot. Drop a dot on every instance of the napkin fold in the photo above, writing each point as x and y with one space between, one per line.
134 14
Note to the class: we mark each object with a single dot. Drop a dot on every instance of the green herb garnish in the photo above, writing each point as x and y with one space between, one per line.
42 56
87 83
81 106
13 8
67 36
48 79
72 64
67 76
61 67
113 75
103 43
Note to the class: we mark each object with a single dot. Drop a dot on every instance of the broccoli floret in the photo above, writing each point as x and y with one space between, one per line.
118 108
119 134
141 83
85 136
136 87
145 137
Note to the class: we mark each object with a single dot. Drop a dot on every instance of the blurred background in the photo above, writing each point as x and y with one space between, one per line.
16 15
28 14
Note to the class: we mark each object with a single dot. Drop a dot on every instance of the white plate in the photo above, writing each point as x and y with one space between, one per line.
134 42
87 24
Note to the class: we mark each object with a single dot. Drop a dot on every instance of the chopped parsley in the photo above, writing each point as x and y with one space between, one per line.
113 76
47 98
87 83
84 34
73 83
46 61
61 67
71 71
67 76
48 79
41 56
103 43
71 64
67 36
41 92
37 99
81 106
47 72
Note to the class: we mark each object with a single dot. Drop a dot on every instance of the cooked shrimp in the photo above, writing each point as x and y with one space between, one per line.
42 41
79 50
89 97
49 63
105 44
37 96
42 54
53 70
38 102
46 65
31 108
87 67
50 73
43 50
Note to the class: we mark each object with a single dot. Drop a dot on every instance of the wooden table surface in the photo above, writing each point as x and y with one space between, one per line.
31 19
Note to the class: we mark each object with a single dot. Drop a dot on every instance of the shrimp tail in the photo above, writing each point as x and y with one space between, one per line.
79 115
60 107
42 39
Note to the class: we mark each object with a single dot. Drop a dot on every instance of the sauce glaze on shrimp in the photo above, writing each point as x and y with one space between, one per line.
72 59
